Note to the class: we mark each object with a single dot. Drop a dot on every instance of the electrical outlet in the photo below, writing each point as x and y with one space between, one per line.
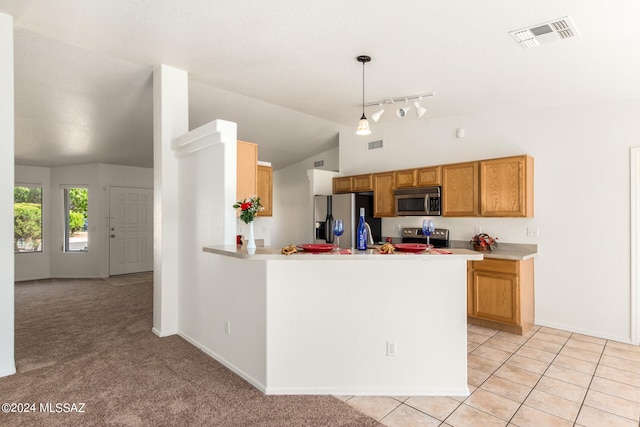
533 232
478 229
227 327
392 349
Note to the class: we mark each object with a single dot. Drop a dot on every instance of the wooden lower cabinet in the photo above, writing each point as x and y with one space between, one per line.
500 294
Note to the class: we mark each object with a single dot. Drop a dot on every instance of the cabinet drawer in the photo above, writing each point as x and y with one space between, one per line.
497 265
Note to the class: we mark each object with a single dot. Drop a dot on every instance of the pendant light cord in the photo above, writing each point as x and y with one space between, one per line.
363 62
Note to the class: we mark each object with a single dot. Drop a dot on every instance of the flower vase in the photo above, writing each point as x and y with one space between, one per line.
251 243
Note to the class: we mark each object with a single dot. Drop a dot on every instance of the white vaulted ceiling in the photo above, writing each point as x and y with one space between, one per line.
285 70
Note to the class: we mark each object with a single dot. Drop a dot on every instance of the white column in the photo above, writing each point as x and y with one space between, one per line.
7 361
170 120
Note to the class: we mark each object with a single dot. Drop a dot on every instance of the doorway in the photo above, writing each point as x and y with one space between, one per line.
130 230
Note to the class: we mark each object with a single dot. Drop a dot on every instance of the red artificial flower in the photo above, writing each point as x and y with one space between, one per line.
245 206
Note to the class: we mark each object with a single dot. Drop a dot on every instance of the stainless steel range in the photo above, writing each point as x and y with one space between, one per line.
439 238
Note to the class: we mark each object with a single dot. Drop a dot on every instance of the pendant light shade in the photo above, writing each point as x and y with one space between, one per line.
363 124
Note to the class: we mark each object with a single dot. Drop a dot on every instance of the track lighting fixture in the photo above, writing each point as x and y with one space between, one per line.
420 110
401 112
376 116
363 124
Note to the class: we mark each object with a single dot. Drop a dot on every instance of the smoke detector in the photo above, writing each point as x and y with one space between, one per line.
558 29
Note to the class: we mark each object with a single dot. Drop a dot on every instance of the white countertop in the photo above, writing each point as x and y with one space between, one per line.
272 253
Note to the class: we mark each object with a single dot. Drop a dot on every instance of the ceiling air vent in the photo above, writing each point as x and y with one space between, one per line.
558 29
318 163
375 144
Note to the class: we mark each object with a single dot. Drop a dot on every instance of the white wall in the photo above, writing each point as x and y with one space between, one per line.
53 262
582 206
7 362
291 195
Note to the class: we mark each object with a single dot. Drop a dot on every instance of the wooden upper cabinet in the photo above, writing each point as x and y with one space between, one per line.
383 200
247 169
362 183
506 187
265 189
460 189
406 178
429 177
493 188
343 184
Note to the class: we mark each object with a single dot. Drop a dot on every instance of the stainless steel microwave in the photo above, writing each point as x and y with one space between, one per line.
423 201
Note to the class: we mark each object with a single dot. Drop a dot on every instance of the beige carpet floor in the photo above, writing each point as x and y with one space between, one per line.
89 342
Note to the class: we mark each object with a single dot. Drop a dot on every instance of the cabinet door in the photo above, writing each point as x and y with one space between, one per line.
247 169
383 200
265 189
342 184
460 189
429 177
506 187
362 183
495 296
406 178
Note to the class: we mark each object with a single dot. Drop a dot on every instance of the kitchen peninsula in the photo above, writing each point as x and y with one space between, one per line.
357 324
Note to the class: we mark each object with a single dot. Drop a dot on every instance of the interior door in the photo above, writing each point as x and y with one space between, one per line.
130 230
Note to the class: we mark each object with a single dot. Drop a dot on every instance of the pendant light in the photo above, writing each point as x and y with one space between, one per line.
363 124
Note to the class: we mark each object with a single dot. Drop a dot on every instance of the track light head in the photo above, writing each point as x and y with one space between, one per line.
420 110
376 116
402 112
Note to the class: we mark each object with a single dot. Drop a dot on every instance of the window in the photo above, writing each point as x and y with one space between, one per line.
76 204
27 219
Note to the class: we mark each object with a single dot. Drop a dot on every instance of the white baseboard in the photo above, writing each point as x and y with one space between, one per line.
248 378
10 369
162 334
596 334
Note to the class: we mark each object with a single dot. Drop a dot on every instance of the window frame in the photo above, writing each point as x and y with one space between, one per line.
41 187
66 205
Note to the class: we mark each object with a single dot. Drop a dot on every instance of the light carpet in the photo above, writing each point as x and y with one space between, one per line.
89 342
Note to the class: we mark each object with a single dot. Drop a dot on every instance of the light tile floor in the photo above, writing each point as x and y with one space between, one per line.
547 378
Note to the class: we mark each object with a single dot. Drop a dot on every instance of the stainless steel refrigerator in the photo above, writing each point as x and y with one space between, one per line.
347 208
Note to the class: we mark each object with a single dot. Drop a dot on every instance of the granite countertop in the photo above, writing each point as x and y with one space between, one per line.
512 251
273 253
